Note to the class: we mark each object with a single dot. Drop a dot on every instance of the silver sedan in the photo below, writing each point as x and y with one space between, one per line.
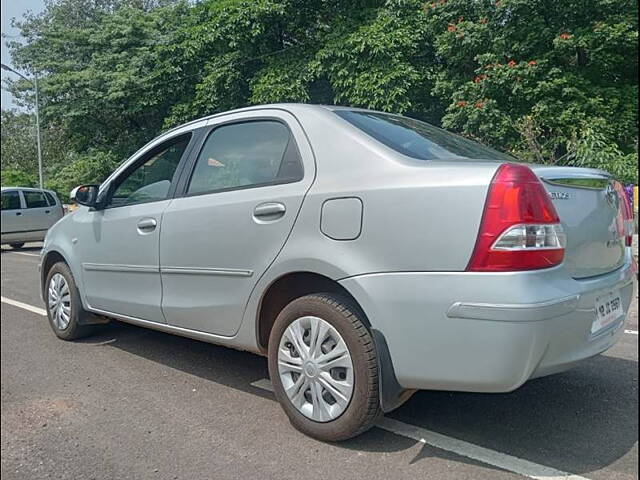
368 255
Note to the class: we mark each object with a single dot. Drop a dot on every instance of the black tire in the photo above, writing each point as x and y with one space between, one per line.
364 406
17 246
75 329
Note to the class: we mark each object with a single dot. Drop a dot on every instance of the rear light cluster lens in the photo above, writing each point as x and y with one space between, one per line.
520 228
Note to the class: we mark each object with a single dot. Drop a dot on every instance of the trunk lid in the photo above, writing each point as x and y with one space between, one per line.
591 214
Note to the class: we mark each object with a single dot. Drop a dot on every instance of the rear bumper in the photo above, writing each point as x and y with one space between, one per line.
487 332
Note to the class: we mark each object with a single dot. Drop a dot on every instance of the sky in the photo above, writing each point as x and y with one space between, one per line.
10 9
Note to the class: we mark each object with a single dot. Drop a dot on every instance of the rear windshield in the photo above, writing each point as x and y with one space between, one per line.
418 139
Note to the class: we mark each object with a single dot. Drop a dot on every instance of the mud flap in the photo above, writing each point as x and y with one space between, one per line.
392 395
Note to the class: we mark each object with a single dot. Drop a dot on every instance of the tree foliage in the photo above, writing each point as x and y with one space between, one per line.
90 167
19 162
18 142
548 81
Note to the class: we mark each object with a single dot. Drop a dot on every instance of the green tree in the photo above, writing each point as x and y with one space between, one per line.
529 75
12 177
19 150
91 167
541 79
18 133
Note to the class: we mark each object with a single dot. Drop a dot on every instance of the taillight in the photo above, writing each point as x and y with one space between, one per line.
627 213
520 228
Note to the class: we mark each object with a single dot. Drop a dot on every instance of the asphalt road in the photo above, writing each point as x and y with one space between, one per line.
134 403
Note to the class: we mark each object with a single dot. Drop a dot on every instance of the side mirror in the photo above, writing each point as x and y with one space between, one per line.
86 195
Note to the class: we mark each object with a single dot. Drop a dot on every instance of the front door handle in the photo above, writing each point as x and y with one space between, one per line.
147 225
18 213
269 211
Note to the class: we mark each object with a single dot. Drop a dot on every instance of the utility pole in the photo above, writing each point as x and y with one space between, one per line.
35 85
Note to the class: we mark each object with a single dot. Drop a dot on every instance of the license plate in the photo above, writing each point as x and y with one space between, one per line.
608 310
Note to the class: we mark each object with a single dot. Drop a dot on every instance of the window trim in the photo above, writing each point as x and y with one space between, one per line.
21 207
48 194
208 130
142 159
24 195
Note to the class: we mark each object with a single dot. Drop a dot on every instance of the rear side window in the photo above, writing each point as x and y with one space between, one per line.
34 199
50 199
245 155
418 139
10 200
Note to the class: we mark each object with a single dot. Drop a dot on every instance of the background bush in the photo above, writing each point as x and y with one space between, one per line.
548 81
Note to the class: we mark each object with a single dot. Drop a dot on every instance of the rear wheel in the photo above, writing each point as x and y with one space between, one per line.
16 246
323 367
64 307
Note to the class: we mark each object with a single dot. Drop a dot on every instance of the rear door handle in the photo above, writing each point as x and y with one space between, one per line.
147 225
269 211
18 213
47 211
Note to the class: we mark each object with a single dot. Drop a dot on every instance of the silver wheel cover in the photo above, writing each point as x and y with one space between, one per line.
59 301
315 368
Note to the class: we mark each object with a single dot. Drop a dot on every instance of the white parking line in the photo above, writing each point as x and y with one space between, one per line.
462 448
631 332
25 306
264 384
22 253
475 452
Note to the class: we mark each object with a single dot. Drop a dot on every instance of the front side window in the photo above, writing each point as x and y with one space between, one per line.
418 139
151 180
246 154
34 199
10 200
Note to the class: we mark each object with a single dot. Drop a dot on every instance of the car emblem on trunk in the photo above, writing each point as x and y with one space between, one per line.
559 195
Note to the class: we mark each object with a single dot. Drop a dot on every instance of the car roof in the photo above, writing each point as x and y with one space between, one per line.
28 189
293 108
300 107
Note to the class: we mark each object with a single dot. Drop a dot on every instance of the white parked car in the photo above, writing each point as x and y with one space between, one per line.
27 214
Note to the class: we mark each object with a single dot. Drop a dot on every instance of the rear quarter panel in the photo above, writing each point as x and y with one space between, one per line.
416 215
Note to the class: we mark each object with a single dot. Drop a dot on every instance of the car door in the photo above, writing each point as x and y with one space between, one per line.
240 202
56 211
12 213
37 211
119 248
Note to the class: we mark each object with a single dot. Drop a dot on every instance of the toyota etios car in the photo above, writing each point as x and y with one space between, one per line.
366 254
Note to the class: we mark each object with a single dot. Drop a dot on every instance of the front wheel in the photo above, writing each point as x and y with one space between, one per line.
64 307
323 367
